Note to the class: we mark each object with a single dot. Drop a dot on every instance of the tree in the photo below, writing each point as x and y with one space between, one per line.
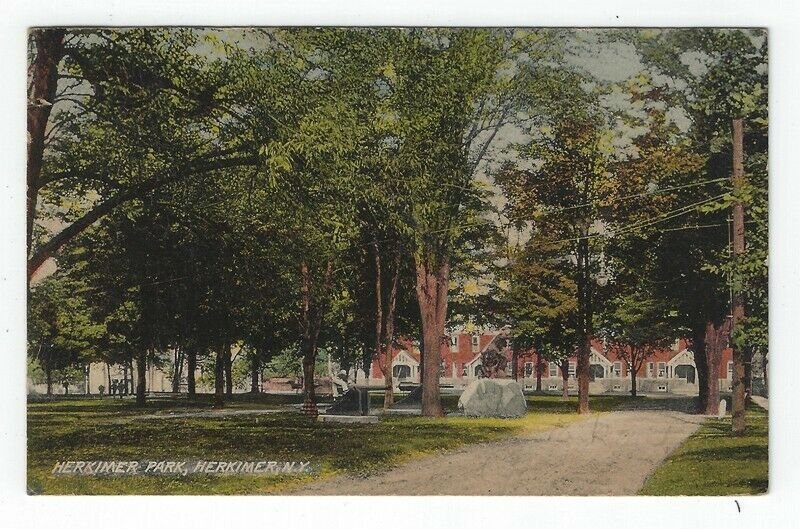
542 304
438 80
727 83
563 190
61 333
127 122
637 325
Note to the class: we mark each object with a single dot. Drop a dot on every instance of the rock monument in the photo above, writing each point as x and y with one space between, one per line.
493 397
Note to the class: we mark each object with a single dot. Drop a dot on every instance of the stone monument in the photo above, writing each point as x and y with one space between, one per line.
493 397
723 408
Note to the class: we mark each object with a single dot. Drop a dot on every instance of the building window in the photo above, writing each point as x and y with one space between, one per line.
553 370
662 387
528 369
454 343
617 387
662 370
572 369
476 343
730 370
651 370
478 370
617 369
552 387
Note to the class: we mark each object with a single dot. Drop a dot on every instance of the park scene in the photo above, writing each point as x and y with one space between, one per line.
397 261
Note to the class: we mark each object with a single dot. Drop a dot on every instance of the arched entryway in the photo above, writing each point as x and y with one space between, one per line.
686 372
596 371
401 371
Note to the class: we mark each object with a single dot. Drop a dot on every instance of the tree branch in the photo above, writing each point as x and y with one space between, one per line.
47 250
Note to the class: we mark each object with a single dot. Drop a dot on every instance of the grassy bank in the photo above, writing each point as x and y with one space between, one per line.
714 463
113 430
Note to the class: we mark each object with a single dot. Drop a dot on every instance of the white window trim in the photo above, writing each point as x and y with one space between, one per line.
454 343
476 343
551 368
525 369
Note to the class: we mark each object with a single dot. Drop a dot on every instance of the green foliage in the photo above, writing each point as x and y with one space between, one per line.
725 77
234 165
61 331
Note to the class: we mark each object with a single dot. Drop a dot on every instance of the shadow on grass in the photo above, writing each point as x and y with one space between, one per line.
751 452
161 402
757 486
679 403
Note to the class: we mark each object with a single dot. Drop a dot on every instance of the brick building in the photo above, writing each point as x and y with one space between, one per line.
668 370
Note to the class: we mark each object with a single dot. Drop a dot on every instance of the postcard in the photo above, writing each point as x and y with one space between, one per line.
414 261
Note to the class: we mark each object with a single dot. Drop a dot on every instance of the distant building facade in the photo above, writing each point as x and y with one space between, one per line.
668 370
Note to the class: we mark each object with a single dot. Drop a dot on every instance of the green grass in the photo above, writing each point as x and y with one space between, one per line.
94 429
712 462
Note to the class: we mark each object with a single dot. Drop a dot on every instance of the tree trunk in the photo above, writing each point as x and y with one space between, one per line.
748 375
48 373
219 378
565 379
255 370
108 372
44 81
701 365
178 372
380 353
388 335
515 364
191 367
738 424
141 376
431 289
539 371
312 313
228 359
716 338
633 382
584 318
309 360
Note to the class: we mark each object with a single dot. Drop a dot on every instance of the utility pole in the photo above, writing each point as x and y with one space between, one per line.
737 300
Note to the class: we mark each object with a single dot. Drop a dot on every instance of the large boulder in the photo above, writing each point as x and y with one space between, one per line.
493 397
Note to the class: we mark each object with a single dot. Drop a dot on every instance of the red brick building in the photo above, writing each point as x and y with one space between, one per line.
668 370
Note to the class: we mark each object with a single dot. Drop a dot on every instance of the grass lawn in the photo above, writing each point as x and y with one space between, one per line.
714 463
108 430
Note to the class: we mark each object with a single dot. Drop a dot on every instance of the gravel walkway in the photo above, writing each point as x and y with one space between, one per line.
606 454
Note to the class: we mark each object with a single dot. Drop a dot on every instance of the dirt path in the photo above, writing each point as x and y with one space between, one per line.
606 454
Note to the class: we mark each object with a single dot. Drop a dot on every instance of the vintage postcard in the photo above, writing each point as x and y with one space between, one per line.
397 261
